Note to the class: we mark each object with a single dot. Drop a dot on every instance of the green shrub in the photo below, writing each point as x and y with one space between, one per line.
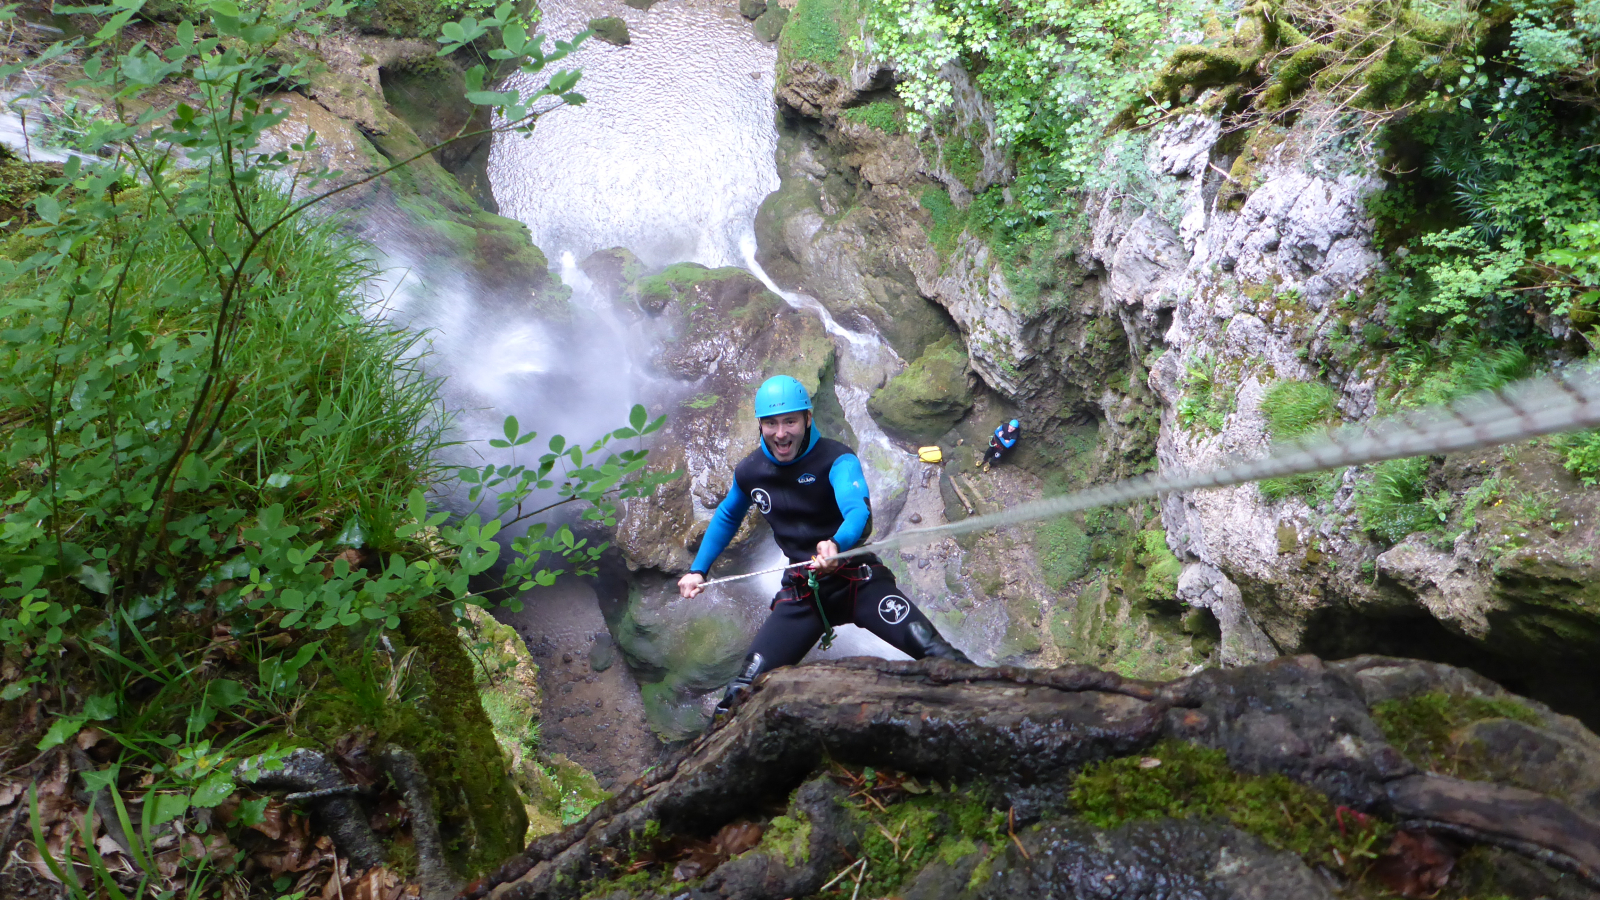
1581 454
1293 408
1206 402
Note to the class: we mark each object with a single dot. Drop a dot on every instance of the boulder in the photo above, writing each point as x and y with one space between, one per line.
925 400
611 29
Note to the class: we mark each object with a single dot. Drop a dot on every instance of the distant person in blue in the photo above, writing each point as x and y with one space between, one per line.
814 496
1005 437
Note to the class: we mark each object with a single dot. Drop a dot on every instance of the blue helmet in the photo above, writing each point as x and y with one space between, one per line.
781 394
1015 424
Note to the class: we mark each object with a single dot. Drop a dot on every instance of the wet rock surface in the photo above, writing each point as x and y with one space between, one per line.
1016 738
590 714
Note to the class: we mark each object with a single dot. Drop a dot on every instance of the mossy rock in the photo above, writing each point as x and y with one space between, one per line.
672 715
401 18
769 25
752 9
611 29
929 397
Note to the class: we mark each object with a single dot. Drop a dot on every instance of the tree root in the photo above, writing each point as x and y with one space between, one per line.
339 814
434 874
1025 733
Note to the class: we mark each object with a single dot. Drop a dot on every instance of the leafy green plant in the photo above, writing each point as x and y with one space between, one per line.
216 471
1056 74
1206 402
1581 455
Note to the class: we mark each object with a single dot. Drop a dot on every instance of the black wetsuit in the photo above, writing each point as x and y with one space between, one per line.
820 495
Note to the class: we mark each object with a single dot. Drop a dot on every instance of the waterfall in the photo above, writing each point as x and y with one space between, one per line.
671 157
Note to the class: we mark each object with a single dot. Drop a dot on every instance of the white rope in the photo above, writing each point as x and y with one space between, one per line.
1562 402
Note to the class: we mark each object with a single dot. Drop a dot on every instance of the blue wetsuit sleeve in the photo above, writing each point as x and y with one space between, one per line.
850 492
724 525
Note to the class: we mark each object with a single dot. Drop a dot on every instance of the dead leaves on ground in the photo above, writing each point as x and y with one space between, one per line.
690 857
1417 864
213 852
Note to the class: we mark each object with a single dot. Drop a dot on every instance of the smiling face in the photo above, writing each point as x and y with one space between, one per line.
785 434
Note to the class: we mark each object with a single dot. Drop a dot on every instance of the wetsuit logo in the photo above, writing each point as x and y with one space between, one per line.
893 609
762 500
807 478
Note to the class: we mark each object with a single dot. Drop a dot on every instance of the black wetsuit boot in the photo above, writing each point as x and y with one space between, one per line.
753 666
926 641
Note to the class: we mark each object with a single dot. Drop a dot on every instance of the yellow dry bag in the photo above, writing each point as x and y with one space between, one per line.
930 454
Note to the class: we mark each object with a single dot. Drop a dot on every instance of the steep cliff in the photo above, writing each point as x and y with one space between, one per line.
1236 275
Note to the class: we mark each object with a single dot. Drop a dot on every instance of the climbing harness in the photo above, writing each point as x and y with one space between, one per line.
1563 401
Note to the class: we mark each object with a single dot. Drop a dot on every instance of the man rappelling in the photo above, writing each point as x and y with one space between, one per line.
813 494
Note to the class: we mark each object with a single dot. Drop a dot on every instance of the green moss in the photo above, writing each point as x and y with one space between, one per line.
1063 551
929 397
1192 68
885 115
816 32
963 158
611 29
482 815
1161 567
947 220
670 715
1188 781
901 841
1424 727
788 838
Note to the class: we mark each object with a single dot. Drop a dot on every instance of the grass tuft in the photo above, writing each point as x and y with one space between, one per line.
1293 408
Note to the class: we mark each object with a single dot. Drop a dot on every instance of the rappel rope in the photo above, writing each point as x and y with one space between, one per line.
1539 406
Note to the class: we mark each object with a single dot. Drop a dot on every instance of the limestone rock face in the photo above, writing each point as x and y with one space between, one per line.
1238 296
440 225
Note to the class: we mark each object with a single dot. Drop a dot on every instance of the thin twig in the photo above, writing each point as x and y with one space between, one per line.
839 877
